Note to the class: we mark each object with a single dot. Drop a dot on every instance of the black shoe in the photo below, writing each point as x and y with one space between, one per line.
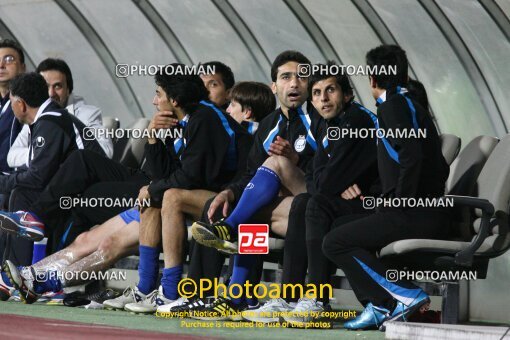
219 309
77 299
193 304
218 235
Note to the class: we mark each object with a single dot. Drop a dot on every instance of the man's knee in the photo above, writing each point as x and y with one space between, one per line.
297 211
300 202
335 242
277 163
82 239
171 199
110 246
329 246
317 204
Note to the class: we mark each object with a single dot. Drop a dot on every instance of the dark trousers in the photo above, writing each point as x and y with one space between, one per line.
321 211
352 244
13 248
294 253
207 262
81 170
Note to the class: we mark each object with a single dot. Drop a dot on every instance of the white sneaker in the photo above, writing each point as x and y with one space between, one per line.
269 312
150 303
306 311
166 308
130 295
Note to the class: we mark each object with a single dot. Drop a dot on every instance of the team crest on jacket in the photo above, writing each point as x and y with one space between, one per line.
300 143
39 141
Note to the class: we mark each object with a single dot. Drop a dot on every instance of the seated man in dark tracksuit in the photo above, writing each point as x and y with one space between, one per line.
283 147
410 166
54 135
213 148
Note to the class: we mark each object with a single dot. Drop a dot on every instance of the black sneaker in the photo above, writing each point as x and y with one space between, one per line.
188 308
219 310
77 299
218 235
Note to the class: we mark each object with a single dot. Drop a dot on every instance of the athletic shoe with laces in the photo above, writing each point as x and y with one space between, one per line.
307 313
130 295
23 280
220 309
150 303
403 312
6 290
167 308
372 318
218 235
23 224
77 298
192 305
271 311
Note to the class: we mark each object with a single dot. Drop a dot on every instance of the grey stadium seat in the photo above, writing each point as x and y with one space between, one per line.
111 123
450 147
488 230
129 151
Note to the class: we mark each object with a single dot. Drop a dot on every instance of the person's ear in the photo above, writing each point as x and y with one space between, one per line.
174 103
248 114
373 83
273 87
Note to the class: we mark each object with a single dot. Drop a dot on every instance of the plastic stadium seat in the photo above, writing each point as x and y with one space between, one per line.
489 234
450 147
111 123
129 151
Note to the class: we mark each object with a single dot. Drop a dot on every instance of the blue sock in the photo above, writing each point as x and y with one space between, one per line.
148 269
170 280
47 282
6 280
262 189
242 266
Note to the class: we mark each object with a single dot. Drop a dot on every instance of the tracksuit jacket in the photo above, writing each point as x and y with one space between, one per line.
340 163
212 150
298 129
54 134
416 166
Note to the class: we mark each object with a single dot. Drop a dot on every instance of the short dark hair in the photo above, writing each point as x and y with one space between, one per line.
284 58
388 55
53 64
9 43
326 71
31 87
226 73
418 93
256 96
186 90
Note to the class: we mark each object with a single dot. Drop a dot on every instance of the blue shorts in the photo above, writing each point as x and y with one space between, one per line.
130 215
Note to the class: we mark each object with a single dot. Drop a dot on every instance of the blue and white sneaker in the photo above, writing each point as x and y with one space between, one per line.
372 318
402 312
23 224
150 303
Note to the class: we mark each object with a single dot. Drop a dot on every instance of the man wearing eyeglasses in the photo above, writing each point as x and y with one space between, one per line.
12 63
